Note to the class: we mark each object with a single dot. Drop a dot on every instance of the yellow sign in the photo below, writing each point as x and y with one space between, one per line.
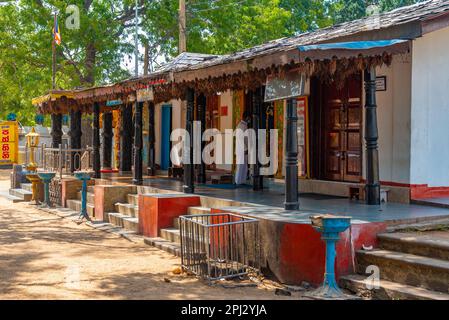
9 141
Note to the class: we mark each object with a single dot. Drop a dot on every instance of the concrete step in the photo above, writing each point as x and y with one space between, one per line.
9 197
21 194
176 223
133 199
127 209
422 244
171 234
163 244
198 210
26 186
90 197
388 290
405 268
75 205
125 221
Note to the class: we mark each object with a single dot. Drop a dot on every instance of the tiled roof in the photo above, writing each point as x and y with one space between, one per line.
417 12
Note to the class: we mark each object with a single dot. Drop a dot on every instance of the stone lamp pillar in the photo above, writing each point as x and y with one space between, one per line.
84 176
46 178
330 227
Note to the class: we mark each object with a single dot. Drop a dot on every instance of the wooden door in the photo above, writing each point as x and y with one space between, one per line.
342 130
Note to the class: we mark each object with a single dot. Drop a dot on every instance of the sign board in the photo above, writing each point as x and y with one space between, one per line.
9 141
145 94
381 83
113 103
290 86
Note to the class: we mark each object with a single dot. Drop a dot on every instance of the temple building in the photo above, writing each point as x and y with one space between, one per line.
366 125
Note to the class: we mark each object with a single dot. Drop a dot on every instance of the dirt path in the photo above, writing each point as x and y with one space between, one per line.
43 256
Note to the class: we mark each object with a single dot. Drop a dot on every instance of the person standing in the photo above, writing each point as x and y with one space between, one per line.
241 172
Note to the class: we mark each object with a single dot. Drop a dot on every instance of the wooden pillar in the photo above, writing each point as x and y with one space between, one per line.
151 141
201 116
56 130
372 187
138 143
96 140
107 140
126 139
257 106
75 140
291 157
188 186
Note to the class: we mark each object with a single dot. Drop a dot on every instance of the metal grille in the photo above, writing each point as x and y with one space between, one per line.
55 190
220 246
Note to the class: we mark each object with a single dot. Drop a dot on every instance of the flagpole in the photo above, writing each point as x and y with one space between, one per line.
54 55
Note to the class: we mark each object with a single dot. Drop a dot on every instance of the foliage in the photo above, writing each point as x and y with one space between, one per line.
97 52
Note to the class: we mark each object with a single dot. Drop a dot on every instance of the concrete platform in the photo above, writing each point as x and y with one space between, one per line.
271 201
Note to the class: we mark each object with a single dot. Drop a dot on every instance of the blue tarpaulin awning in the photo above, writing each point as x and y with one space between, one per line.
354 48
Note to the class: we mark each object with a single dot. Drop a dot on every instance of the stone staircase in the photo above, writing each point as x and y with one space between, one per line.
412 265
21 194
126 215
169 239
75 204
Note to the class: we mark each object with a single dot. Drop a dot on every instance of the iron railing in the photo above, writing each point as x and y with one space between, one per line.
63 160
220 246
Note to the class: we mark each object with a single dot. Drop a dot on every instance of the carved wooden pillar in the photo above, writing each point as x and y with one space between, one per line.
188 186
96 140
201 117
126 138
151 141
75 140
257 106
138 143
107 140
291 157
372 187
56 130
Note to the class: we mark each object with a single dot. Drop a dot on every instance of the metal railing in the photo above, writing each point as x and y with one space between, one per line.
63 160
66 160
220 246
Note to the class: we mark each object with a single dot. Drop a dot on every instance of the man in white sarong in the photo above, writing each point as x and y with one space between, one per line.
241 172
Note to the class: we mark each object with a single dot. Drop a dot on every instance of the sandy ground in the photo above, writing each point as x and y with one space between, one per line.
43 256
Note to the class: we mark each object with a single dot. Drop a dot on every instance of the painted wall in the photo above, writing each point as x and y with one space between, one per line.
430 110
178 109
393 118
225 122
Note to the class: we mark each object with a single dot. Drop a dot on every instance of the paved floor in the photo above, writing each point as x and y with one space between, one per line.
273 196
43 256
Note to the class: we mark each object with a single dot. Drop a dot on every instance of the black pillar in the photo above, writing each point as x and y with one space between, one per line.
151 141
257 106
107 140
56 130
75 140
291 157
372 187
188 186
126 138
201 116
96 140
138 143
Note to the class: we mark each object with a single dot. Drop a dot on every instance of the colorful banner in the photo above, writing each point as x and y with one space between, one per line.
9 140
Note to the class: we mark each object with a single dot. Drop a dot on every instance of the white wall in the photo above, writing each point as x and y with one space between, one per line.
393 118
430 110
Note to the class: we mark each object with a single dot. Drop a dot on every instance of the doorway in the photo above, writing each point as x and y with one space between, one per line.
166 127
341 130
